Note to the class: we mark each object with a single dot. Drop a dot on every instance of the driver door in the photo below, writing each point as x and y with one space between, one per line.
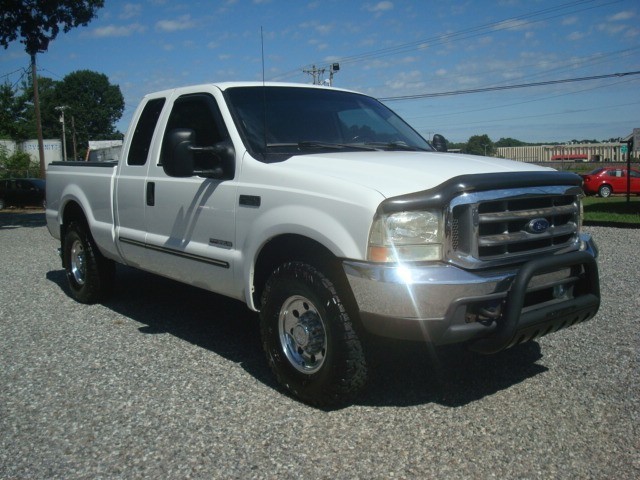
191 221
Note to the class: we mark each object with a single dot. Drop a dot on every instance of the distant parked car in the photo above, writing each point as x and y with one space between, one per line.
22 192
605 181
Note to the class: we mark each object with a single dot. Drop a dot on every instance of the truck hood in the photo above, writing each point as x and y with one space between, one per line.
398 173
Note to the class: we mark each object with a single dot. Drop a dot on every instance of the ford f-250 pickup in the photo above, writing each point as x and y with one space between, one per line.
329 215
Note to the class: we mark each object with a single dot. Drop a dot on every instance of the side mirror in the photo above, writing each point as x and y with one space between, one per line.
439 143
178 158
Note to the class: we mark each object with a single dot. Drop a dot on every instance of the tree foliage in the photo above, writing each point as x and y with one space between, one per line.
509 142
479 144
37 22
13 109
16 164
94 106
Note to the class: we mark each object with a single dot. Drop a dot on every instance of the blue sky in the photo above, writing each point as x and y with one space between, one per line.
386 49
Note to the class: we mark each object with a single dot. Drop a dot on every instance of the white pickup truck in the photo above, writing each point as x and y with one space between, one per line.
324 211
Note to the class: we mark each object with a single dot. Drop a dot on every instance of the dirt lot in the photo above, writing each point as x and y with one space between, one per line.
168 381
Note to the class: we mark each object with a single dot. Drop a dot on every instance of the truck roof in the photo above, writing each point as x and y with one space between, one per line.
226 85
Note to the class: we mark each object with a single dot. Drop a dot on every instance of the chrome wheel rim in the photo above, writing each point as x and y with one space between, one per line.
78 267
303 336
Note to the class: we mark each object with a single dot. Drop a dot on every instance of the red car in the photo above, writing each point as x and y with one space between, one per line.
605 181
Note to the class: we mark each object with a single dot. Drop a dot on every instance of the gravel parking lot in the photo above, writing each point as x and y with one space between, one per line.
166 381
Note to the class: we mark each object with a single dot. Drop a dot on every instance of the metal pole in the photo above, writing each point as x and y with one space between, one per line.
73 131
64 136
36 102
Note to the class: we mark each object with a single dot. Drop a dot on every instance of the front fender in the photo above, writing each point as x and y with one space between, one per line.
340 238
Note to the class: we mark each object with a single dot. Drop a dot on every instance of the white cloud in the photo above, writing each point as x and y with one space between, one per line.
611 29
324 29
117 30
321 28
632 32
512 25
575 36
570 21
380 7
626 15
130 10
183 22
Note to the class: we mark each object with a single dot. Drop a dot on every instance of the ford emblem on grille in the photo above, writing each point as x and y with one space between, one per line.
538 225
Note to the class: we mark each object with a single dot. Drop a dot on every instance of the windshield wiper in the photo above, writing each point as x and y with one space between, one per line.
334 146
396 146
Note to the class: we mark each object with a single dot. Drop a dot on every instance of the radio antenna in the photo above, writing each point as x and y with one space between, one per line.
264 96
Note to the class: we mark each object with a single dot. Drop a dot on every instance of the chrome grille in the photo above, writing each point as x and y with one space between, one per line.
496 228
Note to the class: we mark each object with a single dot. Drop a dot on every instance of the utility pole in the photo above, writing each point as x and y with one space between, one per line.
335 67
36 103
315 73
73 130
318 73
64 137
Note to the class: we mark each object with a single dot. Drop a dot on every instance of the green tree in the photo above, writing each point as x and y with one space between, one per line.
509 142
36 23
49 119
18 164
94 105
479 145
12 110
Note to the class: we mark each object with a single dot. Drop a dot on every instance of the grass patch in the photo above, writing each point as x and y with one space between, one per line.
613 210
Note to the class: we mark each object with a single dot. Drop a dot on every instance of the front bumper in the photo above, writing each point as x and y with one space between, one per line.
492 309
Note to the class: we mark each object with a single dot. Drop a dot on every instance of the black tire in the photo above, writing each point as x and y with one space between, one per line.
89 274
309 338
605 191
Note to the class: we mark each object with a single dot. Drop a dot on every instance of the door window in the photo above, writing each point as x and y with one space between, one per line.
141 141
199 113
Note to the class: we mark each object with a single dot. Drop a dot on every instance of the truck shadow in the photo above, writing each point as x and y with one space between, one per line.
402 373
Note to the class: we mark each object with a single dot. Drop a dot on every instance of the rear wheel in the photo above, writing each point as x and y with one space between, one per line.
89 274
605 191
309 338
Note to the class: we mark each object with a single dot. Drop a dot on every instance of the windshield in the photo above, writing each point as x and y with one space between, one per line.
308 120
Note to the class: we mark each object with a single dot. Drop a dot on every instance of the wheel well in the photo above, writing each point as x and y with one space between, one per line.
72 213
286 248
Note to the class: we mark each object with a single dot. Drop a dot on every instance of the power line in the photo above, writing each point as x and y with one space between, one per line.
505 24
496 107
11 73
505 87
571 112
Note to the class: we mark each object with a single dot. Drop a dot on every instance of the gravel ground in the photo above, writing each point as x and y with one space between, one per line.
166 381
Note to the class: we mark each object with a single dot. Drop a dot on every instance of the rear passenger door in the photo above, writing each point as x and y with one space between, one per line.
131 190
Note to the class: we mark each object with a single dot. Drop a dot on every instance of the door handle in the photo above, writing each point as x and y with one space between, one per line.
151 194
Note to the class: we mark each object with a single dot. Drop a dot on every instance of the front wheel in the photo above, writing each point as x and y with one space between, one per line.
309 338
605 191
89 274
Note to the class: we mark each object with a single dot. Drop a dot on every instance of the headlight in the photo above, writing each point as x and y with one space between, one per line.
406 237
